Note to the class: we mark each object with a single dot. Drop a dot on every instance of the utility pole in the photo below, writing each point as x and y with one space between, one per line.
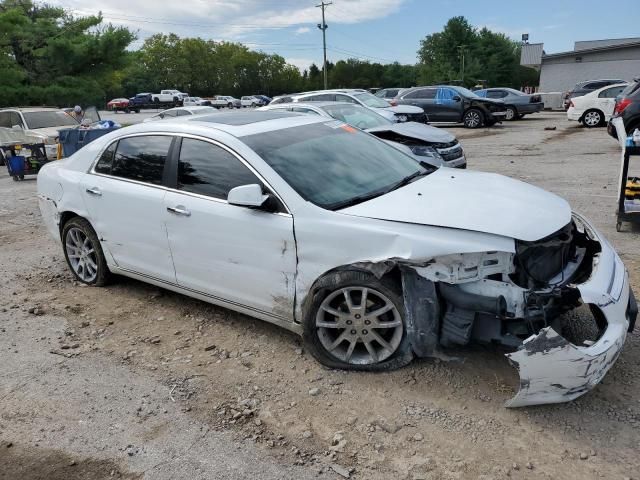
323 26
461 48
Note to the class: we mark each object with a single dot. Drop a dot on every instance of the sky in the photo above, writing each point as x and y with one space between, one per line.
375 30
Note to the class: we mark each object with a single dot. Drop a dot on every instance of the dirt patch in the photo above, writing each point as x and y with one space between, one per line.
32 463
562 133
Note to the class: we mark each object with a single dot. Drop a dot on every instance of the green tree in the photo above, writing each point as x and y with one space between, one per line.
488 56
51 56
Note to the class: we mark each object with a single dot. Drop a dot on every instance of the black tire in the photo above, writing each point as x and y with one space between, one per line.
2 160
229 105
103 275
403 355
156 100
137 110
21 177
253 105
15 178
473 118
592 118
126 110
512 113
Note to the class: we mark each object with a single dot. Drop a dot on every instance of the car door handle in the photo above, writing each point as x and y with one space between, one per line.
179 210
94 191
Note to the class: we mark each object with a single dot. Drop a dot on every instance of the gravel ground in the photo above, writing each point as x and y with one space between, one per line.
131 382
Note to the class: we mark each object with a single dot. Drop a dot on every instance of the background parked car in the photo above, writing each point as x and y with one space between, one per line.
596 108
195 101
452 104
264 98
518 104
628 107
180 112
582 88
397 113
426 143
118 105
388 93
226 101
251 101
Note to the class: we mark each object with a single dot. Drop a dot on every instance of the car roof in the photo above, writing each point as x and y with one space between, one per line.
238 124
32 109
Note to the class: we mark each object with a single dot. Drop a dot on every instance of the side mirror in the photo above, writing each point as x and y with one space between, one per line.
456 98
247 196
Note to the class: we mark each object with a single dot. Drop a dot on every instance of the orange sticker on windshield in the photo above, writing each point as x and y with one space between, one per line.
348 128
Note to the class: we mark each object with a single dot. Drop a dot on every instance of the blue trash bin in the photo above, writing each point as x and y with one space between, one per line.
73 139
15 165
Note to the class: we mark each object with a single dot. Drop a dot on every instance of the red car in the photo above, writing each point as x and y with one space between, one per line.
118 104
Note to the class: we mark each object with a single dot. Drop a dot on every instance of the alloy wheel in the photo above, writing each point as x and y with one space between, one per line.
472 119
510 114
359 325
592 119
82 255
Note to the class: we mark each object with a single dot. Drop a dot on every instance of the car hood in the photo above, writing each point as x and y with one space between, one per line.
418 131
477 201
402 109
51 132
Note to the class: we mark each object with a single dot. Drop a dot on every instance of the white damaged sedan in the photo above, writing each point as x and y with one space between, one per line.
327 231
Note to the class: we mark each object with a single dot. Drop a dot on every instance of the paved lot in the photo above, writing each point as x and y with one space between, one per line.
133 382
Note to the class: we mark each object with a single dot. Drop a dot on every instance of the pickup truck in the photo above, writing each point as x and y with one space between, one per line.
168 96
145 100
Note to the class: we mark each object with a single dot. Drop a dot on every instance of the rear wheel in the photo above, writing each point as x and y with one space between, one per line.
512 113
592 118
356 322
230 105
83 252
473 118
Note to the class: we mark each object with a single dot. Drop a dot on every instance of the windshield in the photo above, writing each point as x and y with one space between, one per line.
334 165
357 116
371 100
48 119
466 92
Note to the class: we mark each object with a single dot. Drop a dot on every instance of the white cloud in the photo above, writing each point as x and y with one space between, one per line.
302 30
230 19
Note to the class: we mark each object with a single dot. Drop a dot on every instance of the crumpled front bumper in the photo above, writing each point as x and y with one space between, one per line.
553 370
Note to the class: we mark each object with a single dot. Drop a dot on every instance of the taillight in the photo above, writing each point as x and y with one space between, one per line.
621 105
571 104
393 103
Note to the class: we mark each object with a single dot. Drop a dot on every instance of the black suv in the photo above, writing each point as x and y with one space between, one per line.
582 88
628 108
453 104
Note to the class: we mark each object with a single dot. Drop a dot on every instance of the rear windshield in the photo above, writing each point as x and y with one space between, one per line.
332 164
48 119
631 88
356 115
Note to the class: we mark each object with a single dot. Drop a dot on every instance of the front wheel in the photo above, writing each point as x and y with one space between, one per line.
473 118
356 322
511 114
83 252
230 105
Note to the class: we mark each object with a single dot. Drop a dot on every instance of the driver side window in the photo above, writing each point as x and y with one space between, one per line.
207 169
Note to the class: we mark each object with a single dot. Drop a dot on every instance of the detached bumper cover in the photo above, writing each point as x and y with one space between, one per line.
553 370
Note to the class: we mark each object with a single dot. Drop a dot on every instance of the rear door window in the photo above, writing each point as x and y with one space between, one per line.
423 93
106 160
142 158
611 92
207 169
5 119
325 97
496 94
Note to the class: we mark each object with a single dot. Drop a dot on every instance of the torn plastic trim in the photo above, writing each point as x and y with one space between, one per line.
553 370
